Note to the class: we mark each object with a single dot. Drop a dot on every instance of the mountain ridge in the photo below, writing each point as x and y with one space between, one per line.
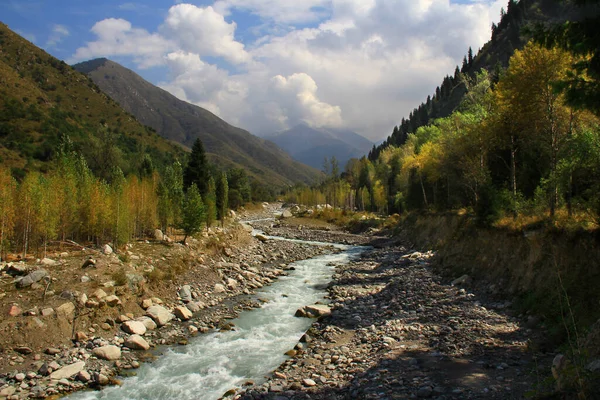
312 145
182 122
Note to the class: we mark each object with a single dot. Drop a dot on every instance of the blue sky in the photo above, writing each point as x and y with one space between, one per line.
266 65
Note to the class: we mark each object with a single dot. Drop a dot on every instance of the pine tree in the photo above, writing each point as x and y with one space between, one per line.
470 57
193 212
197 169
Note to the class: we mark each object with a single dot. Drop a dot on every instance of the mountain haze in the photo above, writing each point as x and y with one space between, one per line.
312 145
183 122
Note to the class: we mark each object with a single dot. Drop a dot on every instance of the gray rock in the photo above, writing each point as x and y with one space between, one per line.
48 262
32 278
159 314
286 214
185 293
107 250
148 323
90 262
219 288
84 376
112 300
183 313
158 234
66 309
136 342
67 371
134 327
109 352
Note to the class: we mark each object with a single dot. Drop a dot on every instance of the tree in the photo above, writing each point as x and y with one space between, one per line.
470 57
210 202
197 169
582 39
8 188
193 212
529 91
222 192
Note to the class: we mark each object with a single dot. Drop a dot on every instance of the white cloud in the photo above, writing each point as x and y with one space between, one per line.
59 32
116 37
203 31
364 64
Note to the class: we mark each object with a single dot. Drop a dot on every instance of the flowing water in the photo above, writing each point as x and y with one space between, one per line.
214 363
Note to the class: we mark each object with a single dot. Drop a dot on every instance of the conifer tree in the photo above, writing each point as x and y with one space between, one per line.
193 212
197 169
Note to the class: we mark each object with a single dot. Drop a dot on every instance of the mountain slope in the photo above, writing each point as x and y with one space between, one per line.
182 122
312 145
512 32
42 98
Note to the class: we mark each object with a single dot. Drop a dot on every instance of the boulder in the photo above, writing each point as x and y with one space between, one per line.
286 214
318 310
159 314
48 262
109 352
46 312
32 278
134 327
185 293
146 303
112 300
158 234
183 313
68 371
66 309
7 391
84 376
136 342
219 288
308 382
99 294
148 323
107 250
261 237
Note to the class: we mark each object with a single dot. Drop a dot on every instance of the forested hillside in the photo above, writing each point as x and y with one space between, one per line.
42 98
520 142
518 24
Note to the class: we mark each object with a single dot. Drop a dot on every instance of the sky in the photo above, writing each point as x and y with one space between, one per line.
268 65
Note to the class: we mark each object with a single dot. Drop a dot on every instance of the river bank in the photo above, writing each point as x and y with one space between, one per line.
398 329
85 328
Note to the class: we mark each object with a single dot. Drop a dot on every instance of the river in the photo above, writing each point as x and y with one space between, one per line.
214 363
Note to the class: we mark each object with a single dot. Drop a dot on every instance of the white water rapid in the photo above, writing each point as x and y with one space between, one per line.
214 363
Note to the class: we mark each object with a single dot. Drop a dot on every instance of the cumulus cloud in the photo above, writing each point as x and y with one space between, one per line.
203 31
117 37
360 64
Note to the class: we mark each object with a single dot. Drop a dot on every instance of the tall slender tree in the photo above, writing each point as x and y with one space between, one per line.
197 169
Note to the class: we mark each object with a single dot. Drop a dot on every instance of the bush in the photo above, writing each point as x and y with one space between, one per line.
120 277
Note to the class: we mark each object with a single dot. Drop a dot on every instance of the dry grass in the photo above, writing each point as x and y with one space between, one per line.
562 221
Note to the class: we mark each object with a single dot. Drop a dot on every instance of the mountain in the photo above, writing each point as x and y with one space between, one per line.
183 122
311 145
517 26
42 98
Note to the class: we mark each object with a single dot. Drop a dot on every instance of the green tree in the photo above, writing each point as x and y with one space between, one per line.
197 169
193 212
222 192
210 202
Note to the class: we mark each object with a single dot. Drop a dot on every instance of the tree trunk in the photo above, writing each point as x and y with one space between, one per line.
513 175
423 189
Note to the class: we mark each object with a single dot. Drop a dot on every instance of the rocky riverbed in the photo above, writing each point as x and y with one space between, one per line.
78 327
398 330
